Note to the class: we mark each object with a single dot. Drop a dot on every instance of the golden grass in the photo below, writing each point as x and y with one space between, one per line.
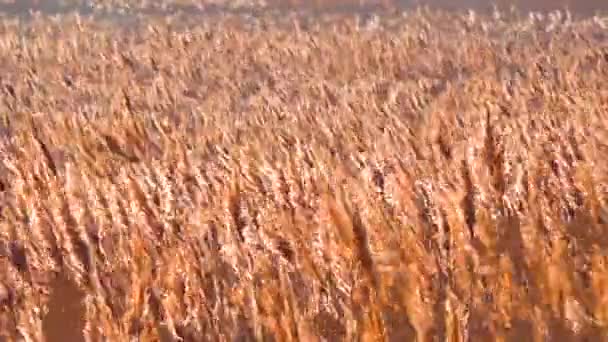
442 179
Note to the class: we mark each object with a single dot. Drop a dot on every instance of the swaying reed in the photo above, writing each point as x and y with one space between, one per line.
437 176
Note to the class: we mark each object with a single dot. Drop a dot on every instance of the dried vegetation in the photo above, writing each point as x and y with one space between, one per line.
444 178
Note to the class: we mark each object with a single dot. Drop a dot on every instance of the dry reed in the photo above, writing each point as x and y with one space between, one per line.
440 178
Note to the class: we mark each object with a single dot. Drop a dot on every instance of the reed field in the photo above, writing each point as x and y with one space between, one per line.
416 176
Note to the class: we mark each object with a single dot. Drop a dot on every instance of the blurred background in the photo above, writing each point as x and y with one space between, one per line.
24 7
